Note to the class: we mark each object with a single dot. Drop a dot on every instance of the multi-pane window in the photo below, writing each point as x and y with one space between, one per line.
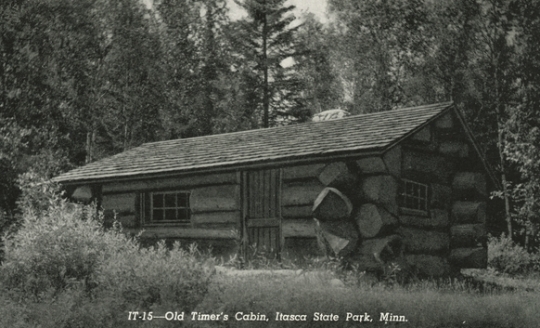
169 207
413 195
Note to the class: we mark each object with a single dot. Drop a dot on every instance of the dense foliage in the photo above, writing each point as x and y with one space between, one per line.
81 80
61 260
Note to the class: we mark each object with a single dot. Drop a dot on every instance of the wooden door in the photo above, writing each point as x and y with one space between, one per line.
262 196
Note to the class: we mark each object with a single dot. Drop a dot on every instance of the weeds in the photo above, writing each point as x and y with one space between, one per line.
506 256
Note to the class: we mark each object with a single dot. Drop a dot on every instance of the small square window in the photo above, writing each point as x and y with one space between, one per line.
167 207
413 196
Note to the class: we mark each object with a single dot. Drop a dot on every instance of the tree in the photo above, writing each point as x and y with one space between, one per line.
320 85
131 77
265 39
381 46
522 129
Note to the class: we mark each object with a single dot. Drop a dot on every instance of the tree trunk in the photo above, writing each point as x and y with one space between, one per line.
266 100
505 184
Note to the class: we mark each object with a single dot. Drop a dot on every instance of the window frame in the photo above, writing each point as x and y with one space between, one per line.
422 199
150 208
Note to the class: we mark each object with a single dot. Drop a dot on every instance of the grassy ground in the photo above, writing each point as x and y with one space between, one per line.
450 303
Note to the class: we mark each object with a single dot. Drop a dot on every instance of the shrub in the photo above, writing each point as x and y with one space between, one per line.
508 257
59 246
63 269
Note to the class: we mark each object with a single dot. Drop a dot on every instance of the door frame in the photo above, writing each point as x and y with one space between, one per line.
261 222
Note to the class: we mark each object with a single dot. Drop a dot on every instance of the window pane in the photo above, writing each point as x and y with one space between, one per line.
170 215
157 200
169 207
183 215
157 215
182 199
414 195
170 200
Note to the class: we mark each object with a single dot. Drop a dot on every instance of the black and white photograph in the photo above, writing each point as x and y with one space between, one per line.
269 163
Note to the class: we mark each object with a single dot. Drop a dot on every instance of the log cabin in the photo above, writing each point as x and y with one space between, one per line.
409 184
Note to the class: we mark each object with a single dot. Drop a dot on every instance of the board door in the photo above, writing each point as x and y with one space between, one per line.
262 194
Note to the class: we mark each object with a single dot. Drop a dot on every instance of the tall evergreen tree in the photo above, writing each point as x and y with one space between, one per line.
266 38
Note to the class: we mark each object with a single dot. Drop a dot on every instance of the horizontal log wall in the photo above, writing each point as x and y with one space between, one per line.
380 190
123 207
223 232
298 228
215 199
301 172
467 230
424 241
215 204
469 257
420 165
172 183
303 194
452 233
437 219
468 235
300 188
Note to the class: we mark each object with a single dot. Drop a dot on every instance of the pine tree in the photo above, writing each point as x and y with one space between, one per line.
265 39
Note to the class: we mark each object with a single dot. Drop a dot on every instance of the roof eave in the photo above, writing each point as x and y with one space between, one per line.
476 147
229 167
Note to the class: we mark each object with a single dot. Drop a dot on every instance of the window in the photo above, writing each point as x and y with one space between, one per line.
168 207
413 196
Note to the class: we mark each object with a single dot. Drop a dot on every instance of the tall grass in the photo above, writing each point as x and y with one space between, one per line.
427 304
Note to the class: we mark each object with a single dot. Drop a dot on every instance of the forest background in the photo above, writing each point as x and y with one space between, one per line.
84 79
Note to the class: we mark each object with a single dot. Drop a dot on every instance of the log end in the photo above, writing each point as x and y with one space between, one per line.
331 204
373 220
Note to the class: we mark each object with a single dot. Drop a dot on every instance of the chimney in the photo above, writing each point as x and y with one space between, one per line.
330 114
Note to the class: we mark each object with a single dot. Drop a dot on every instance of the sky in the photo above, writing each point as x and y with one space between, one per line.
317 7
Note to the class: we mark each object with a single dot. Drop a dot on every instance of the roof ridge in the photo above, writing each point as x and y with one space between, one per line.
420 107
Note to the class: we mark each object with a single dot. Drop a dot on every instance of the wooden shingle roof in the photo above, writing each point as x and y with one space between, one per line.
349 135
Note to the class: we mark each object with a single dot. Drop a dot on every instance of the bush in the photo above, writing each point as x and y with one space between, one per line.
63 269
506 256
63 245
